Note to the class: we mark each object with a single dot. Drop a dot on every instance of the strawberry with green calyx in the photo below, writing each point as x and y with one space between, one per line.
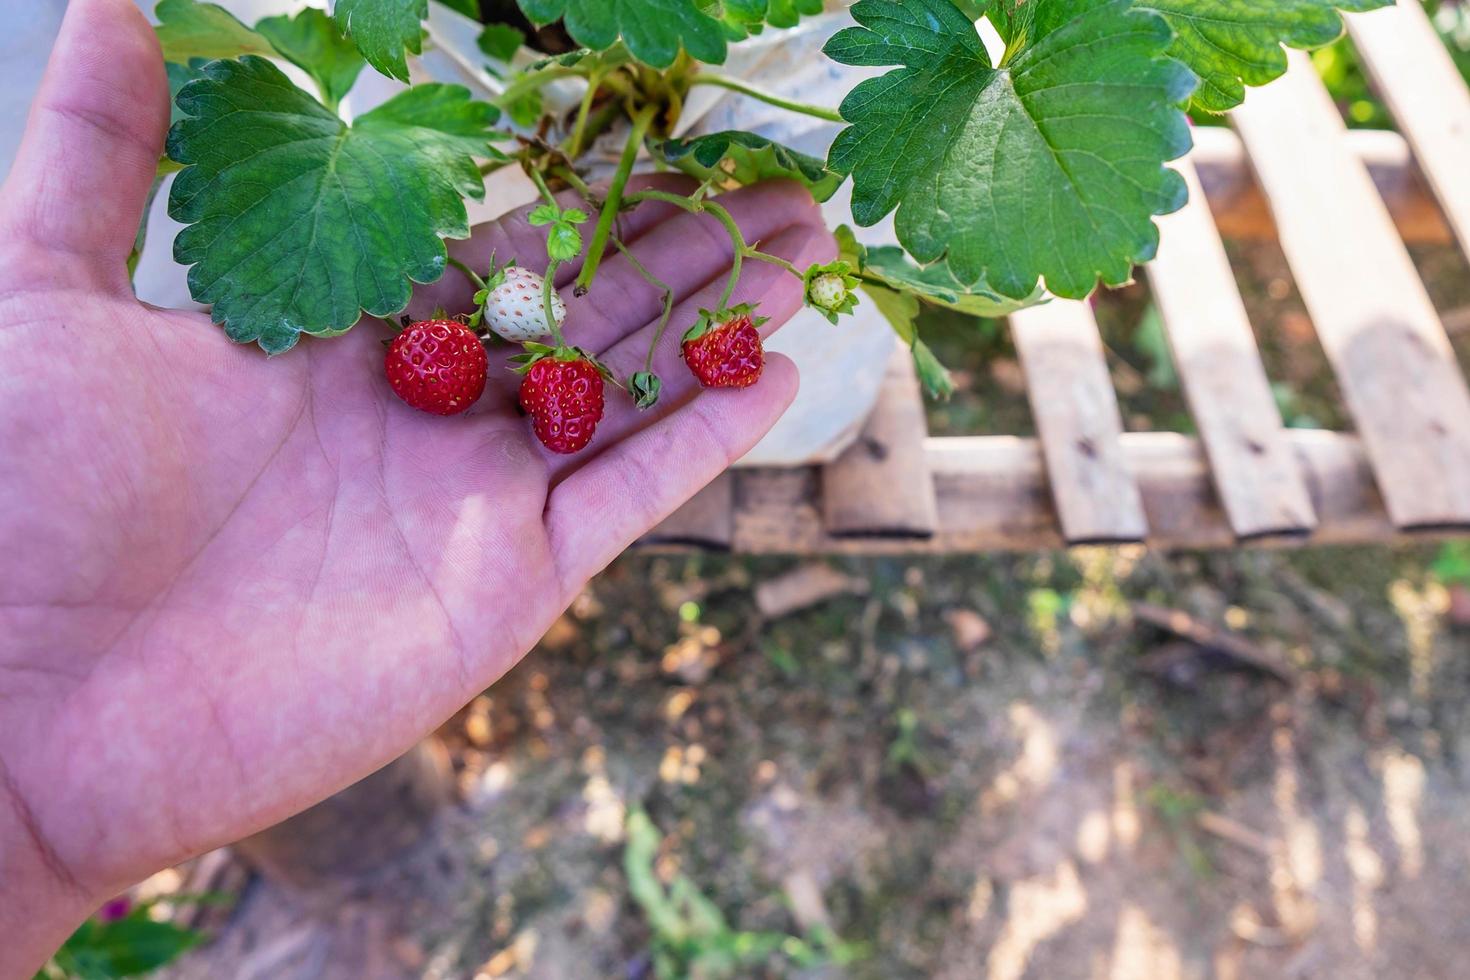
831 289
563 392
723 349
437 366
511 303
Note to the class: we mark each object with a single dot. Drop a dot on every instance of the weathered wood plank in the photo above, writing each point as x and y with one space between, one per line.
706 521
1077 417
1219 366
880 487
1427 96
993 495
1387 346
1241 211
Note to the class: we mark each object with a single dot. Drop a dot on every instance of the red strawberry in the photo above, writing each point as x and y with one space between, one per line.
437 366
724 349
563 392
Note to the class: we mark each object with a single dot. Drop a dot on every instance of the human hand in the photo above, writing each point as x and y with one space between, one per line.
232 586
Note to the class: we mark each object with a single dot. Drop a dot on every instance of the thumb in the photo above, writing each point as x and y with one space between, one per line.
93 138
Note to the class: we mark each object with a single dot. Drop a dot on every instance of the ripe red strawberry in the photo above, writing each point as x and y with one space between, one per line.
724 349
563 392
437 366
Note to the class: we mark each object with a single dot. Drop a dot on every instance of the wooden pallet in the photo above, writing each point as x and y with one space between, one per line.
1342 206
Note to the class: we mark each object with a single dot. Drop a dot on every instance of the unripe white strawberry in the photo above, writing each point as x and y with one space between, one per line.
828 291
514 308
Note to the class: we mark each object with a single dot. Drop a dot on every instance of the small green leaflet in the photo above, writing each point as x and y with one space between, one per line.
746 158
563 240
500 41
187 29
470 8
385 31
653 30
312 42
1230 44
1051 167
320 221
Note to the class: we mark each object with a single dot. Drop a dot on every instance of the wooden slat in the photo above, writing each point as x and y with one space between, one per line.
1220 368
993 495
1387 346
1077 417
1427 96
706 521
880 487
1241 211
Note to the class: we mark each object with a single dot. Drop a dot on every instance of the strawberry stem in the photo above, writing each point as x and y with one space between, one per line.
540 183
614 201
657 283
770 98
547 289
741 251
469 273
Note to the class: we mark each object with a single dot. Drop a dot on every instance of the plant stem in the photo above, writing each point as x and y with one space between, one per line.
742 251
770 98
469 273
657 283
534 81
540 183
614 200
578 184
547 289
579 131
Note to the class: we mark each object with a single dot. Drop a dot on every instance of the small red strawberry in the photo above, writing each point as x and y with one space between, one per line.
724 349
563 392
437 366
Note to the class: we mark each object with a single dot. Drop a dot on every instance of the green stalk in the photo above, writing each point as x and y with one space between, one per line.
770 98
574 145
547 289
577 183
742 250
540 183
469 273
536 80
614 201
657 283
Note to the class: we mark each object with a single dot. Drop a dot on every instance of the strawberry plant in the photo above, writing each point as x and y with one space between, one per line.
1021 146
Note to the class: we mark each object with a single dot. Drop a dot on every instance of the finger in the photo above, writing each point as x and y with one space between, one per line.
780 296
93 139
686 253
617 498
512 236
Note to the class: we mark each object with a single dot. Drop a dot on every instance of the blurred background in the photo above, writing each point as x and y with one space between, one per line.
1095 763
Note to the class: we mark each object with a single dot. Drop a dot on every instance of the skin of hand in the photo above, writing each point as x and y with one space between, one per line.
232 585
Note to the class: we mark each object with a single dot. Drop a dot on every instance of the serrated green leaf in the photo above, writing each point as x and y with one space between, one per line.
313 42
743 18
385 31
1051 167
320 221
188 29
180 75
500 41
1230 44
653 30
746 158
123 948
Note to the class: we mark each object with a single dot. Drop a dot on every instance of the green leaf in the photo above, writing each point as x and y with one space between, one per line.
653 30
746 158
1152 342
933 375
500 41
1230 44
385 31
312 42
743 18
124 948
187 29
180 75
1051 167
319 221
470 8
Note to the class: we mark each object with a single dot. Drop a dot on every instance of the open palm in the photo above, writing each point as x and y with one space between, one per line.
233 585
